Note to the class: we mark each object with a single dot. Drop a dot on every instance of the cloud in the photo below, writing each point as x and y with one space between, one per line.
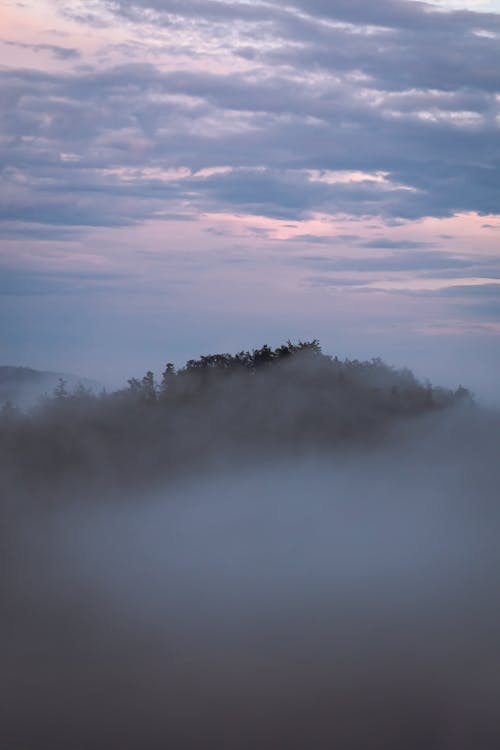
394 88
15 230
59 52
403 261
387 243
475 302
386 14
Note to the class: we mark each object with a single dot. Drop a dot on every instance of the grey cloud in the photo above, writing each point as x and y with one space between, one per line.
85 210
415 45
267 193
331 281
392 14
475 291
399 62
483 268
59 52
480 302
312 239
370 109
16 230
396 14
290 194
483 309
207 9
385 242
404 261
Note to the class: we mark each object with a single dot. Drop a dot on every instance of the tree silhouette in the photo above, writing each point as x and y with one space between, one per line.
60 391
293 397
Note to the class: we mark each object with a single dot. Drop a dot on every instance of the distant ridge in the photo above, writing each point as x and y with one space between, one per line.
24 386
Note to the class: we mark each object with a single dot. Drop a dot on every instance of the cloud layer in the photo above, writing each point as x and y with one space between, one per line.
273 104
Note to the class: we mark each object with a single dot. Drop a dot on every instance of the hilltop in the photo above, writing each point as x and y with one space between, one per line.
220 407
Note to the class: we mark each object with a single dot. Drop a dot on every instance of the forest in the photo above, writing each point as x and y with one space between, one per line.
289 400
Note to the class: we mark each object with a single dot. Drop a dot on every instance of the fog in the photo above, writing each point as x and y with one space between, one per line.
24 387
342 594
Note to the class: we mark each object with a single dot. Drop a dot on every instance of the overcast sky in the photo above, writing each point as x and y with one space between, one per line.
181 177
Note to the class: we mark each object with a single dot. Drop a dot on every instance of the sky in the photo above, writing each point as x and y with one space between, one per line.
181 177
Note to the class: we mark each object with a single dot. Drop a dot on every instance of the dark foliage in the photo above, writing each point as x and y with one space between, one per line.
217 408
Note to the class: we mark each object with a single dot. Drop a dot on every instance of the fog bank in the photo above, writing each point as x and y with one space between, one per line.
348 601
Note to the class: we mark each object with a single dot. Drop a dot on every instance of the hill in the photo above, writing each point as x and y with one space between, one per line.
218 408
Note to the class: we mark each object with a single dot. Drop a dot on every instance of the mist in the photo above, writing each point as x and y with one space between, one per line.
198 572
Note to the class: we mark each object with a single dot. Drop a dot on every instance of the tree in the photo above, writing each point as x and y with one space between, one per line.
148 387
463 395
60 391
144 389
167 379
